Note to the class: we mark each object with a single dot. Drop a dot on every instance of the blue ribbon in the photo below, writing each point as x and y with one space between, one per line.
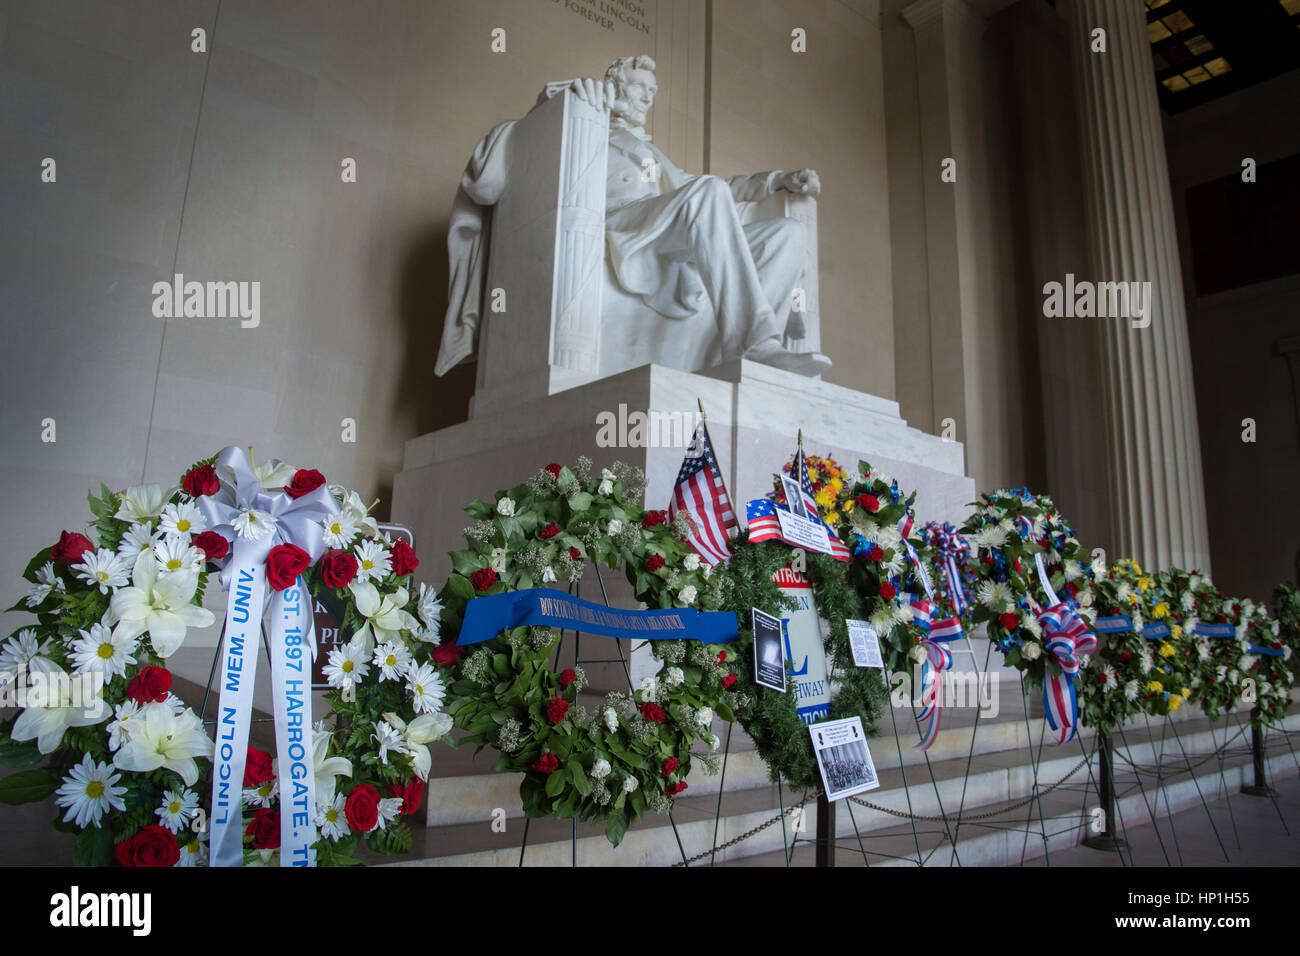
1266 651
1115 624
1154 632
1214 630
486 617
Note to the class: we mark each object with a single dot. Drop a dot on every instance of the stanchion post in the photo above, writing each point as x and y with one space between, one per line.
825 832
1108 839
1260 787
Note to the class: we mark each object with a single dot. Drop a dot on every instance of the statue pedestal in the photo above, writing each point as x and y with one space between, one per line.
754 413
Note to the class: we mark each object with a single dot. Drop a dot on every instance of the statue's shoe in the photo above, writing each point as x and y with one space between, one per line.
770 352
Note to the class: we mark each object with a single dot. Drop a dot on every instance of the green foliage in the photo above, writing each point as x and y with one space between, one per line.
27 786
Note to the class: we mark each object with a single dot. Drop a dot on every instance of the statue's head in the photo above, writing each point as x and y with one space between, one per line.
634 87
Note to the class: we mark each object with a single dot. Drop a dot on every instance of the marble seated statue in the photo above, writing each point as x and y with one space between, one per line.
580 250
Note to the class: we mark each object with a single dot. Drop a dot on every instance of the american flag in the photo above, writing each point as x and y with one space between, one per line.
701 491
764 525
805 486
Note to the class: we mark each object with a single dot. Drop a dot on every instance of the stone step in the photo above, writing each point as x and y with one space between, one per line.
990 781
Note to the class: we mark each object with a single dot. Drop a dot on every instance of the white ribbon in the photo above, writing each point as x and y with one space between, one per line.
254 521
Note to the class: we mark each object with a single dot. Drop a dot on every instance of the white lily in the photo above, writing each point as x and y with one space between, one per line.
417 735
385 617
159 737
274 475
326 767
58 708
162 606
140 502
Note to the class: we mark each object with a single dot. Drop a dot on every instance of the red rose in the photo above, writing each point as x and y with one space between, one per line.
728 680
362 808
870 502
567 678
265 829
1126 656
673 789
722 659
71 547
554 469
653 712
257 768
305 481
284 564
201 481
653 518
654 562
1009 621
483 578
151 846
338 568
150 686
550 531
546 763
575 554
671 764
402 559
887 591
557 709
876 552
213 545
411 793
445 655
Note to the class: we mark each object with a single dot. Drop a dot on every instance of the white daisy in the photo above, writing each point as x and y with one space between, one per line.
996 596
88 792
340 529
46 581
331 819
426 688
253 525
347 665
140 502
100 650
429 609
264 794
176 554
194 853
392 660
119 726
882 620
177 809
104 570
390 808
18 652
372 561
138 539
388 738
184 519
988 538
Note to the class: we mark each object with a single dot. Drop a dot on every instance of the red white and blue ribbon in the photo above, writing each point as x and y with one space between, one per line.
952 548
938 658
1066 637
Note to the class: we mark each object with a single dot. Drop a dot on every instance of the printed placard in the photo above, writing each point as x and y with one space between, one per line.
329 635
864 642
769 651
843 758
804 647
804 532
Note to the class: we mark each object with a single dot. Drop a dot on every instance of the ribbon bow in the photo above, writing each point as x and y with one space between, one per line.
938 658
255 521
953 549
1066 637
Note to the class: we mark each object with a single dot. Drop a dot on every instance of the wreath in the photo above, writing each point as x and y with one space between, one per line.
613 758
769 716
127 760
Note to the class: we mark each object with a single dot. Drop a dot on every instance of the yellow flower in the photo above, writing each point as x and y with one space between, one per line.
1143 582
1134 565
1175 702
1176 631
832 518
1155 686
825 496
1160 610
1167 650
1187 692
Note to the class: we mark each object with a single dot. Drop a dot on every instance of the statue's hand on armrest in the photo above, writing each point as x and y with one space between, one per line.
597 93
801 182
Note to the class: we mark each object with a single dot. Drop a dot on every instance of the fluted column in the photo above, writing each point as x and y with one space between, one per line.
1147 405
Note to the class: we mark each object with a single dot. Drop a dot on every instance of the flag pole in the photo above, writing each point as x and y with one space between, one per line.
704 420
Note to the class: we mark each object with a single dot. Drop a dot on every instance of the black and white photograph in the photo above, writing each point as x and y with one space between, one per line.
843 758
769 651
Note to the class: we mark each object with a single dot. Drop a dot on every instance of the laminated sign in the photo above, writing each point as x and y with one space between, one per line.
802 632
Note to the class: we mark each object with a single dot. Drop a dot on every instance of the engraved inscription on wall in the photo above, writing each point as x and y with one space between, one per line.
625 16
